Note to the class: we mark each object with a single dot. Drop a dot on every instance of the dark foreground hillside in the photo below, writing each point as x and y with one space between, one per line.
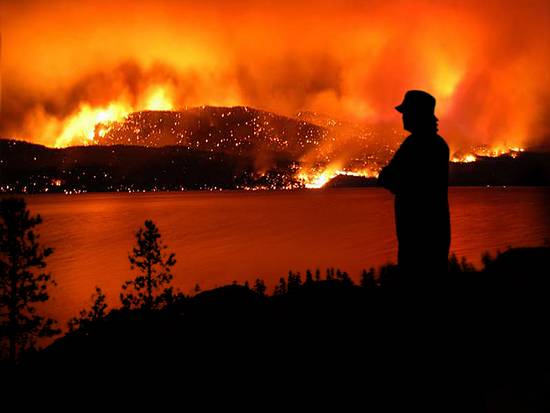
476 342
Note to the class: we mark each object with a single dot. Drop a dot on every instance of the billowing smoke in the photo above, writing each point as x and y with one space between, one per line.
486 62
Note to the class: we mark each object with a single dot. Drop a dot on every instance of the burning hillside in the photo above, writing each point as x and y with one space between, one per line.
68 67
321 147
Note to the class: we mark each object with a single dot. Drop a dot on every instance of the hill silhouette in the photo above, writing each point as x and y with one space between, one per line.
31 168
27 167
476 342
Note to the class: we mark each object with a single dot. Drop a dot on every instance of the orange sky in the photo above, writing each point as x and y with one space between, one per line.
486 63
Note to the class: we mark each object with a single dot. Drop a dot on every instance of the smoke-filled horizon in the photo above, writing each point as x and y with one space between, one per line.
487 64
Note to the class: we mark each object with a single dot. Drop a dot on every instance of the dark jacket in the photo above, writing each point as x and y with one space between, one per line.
418 176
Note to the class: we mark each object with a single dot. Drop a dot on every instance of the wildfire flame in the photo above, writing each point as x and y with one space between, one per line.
88 123
91 61
494 152
313 179
318 177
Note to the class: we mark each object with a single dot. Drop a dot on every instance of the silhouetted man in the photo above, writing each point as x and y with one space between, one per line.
418 176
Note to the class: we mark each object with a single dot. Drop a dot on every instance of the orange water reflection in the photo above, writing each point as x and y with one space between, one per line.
234 235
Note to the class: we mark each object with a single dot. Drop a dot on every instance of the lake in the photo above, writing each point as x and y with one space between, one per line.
219 237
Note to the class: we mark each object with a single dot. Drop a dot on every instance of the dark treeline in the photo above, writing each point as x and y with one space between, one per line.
30 168
476 341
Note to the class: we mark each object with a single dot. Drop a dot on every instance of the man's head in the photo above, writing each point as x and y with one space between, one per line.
418 109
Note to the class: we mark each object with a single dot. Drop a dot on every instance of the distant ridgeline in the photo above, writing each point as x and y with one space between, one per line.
31 168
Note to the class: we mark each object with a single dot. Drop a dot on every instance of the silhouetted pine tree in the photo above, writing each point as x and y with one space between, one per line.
93 315
462 266
367 278
22 280
154 267
259 287
309 277
294 281
317 275
280 289
344 277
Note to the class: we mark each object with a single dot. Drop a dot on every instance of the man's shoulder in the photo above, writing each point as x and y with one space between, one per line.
408 141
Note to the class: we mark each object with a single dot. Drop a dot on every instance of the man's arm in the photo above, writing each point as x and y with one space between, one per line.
387 179
390 175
